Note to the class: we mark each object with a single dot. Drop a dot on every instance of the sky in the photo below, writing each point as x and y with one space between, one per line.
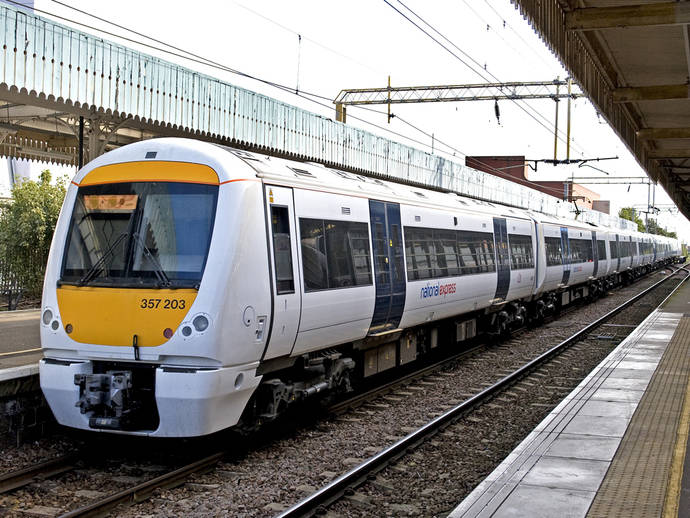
321 46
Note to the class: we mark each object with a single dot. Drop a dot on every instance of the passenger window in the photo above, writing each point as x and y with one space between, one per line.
313 254
521 256
398 257
381 258
601 246
282 254
347 254
554 253
335 254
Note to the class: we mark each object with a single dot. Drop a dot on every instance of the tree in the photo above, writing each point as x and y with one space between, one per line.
653 227
27 224
629 214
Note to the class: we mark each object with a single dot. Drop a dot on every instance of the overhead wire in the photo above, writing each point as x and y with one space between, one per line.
493 76
547 125
512 29
306 38
184 54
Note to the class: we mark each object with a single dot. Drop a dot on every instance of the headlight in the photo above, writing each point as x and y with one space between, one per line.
200 323
47 316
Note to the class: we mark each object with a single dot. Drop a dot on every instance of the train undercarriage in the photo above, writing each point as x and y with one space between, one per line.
340 369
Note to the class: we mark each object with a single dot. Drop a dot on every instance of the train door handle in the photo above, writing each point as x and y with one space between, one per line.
260 326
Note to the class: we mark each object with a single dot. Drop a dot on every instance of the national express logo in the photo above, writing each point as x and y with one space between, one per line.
436 290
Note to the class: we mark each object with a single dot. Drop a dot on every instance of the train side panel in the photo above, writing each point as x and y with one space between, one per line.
429 297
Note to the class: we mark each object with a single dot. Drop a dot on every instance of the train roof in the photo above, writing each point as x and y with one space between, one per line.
319 177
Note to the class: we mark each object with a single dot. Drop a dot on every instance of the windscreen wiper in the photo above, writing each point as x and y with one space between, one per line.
157 268
97 265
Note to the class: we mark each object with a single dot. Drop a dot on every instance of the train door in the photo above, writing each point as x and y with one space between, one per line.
595 254
565 247
389 265
284 264
502 258
619 251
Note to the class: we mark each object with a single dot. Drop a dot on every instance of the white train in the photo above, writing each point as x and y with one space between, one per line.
191 287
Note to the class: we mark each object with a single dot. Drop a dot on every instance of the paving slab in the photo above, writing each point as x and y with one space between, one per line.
540 502
591 447
608 409
597 425
645 374
612 394
567 473
624 383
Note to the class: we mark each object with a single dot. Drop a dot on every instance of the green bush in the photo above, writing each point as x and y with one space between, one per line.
27 223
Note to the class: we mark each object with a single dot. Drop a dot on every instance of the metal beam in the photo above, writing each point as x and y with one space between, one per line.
662 133
661 154
454 93
592 18
651 93
610 180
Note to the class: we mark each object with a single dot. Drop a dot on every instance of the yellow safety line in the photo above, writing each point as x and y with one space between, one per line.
21 352
672 501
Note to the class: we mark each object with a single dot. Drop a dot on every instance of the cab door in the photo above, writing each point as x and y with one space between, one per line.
282 242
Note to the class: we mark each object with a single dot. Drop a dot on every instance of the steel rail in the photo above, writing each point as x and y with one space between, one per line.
40 471
143 491
336 489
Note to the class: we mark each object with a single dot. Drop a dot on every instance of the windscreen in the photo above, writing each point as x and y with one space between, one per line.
140 234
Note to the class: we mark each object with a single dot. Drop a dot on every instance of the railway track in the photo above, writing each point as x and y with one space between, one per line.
137 493
345 485
140 492
37 472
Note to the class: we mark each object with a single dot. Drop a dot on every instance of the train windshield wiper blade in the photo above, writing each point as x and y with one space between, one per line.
157 268
97 265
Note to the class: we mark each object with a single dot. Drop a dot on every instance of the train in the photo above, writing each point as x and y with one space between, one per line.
192 287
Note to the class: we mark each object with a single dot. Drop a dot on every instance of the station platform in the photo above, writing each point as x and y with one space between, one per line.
617 445
20 348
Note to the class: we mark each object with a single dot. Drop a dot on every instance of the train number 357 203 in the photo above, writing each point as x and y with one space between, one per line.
163 304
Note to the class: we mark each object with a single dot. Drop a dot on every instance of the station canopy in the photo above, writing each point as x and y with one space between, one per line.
632 59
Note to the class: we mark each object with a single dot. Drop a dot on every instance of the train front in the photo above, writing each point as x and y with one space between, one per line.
133 303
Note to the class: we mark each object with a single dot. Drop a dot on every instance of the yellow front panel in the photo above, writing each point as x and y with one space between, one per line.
112 316
151 172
